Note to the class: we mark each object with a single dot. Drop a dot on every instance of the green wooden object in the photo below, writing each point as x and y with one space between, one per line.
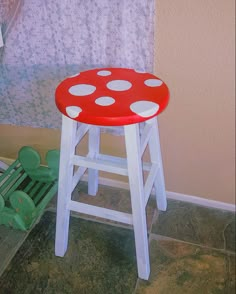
26 187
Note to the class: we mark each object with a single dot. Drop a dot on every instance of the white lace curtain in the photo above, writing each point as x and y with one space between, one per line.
49 40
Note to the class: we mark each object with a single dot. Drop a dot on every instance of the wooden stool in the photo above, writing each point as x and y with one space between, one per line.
111 97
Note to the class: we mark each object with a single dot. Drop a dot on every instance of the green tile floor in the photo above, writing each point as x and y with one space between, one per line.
192 250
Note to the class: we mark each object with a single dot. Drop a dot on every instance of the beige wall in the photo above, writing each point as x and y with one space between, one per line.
195 56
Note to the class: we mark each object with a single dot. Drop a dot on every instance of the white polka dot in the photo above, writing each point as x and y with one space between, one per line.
139 71
153 83
119 85
144 108
105 101
104 73
73 111
82 90
74 75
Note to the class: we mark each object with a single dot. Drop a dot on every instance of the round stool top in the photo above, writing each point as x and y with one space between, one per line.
112 96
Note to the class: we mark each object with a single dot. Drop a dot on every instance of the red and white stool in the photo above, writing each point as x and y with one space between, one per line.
111 97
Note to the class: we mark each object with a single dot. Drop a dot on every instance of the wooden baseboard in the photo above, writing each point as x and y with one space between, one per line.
201 201
7 161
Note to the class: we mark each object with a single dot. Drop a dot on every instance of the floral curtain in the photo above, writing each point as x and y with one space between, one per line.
49 40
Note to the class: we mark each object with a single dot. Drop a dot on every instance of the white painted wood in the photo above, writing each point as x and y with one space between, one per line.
94 147
155 155
1 38
112 167
101 212
94 161
121 160
150 181
68 133
80 133
114 159
147 131
132 142
200 201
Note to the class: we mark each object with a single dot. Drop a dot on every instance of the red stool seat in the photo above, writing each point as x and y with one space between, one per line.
112 96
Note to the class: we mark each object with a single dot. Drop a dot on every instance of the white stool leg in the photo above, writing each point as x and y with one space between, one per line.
94 145
68 134
155 154
132 141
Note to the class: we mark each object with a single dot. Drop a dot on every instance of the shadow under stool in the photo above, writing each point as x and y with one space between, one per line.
111 97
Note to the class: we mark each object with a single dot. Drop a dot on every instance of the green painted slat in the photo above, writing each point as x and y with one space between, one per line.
8 171
16 185
46 199
29 186
12 178
41 193
35 189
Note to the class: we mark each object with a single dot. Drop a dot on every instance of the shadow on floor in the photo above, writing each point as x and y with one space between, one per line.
192 250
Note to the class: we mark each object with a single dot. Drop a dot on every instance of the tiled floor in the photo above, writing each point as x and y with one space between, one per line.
192 250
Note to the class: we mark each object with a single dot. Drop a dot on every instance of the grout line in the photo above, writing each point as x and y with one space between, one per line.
161 237
136 286
223 235
154 219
